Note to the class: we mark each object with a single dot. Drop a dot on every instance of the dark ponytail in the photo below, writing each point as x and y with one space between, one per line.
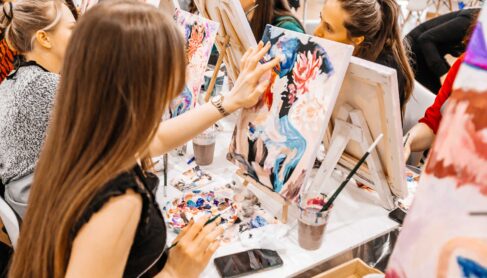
390 34
377 22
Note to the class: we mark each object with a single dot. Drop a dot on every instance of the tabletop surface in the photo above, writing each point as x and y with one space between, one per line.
356 218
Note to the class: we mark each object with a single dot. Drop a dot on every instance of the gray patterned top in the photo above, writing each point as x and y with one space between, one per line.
26 100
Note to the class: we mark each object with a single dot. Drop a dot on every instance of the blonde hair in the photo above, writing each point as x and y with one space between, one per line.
20 21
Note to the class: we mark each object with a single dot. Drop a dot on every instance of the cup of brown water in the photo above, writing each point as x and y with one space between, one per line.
312 222
204 147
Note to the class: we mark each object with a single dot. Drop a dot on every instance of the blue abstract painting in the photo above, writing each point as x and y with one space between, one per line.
275 143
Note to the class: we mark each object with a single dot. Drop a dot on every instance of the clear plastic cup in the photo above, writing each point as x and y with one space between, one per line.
204 147
312 222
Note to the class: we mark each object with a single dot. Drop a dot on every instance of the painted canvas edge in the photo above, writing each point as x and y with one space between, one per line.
212 39
470 78
249 38
396 180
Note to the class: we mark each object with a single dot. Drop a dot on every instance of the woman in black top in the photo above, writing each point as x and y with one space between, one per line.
372 28
433 39
92 210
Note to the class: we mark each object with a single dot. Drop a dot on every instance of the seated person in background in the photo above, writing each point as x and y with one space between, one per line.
273 12
294 4
435 38
372 28
39 31
422 135
92 210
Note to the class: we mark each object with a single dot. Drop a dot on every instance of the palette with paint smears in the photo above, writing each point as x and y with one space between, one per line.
198 203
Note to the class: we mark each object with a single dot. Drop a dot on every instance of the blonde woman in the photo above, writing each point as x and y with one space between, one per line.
39 32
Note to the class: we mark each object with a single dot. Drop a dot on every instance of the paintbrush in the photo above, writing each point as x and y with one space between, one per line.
251 10
196 168
350 175
166 165
406 139
208 222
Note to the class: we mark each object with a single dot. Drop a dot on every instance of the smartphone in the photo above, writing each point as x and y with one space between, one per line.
248 262
398 215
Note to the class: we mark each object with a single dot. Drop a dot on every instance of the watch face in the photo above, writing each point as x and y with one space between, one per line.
218 98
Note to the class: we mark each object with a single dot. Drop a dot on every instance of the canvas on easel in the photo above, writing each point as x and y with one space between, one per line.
275 143
235 35
445 231
367 106
199 34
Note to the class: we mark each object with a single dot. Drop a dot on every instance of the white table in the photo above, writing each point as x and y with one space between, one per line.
356 219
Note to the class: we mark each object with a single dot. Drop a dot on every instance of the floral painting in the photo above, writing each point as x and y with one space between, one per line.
275 143
200 35
445 232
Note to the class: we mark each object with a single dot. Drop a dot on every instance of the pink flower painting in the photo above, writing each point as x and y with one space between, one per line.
306 69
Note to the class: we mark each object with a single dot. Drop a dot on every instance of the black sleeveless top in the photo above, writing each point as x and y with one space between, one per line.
148 253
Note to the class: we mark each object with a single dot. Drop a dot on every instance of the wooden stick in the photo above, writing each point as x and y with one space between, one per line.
217 69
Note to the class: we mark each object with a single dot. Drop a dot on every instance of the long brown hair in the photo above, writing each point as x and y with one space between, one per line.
377 21
265 12
123 66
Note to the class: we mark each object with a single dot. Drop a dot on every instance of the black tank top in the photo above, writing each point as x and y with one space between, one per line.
148 253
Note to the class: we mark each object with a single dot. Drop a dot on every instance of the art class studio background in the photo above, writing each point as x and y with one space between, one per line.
230 138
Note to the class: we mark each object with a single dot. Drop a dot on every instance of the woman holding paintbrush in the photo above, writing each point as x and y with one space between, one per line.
92 212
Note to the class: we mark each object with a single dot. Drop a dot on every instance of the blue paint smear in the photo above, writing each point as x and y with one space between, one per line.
290 47
471 269
184 101
294 141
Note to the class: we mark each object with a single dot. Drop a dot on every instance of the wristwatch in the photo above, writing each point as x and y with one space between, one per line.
217 101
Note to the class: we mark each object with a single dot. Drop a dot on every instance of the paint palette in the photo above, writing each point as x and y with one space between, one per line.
198 203
191 180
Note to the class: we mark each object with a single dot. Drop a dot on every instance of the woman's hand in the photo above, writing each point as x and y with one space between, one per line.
196 244
252 81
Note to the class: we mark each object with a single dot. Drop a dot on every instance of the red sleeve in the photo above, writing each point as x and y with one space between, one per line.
432 116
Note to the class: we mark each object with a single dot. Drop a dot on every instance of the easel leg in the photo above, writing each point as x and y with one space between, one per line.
285 209
211 86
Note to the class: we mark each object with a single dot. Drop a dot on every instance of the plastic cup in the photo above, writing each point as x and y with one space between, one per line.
312 222
204 147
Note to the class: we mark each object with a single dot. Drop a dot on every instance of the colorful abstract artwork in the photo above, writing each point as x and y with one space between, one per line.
275 143
200 35
445 232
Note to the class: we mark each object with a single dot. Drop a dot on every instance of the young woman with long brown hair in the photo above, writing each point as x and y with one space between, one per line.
92 210
273 12
39 32
372 27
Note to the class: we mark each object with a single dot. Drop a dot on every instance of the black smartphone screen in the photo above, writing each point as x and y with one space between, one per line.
398 215
247 262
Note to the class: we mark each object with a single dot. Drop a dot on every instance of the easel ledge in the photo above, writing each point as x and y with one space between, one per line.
275 196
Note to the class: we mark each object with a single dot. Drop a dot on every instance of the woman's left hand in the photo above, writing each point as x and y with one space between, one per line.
251 82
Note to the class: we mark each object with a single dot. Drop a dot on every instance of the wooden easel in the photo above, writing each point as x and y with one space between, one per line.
225 41
350 125
274 195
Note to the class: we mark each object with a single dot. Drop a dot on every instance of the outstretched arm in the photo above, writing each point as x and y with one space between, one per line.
246 93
